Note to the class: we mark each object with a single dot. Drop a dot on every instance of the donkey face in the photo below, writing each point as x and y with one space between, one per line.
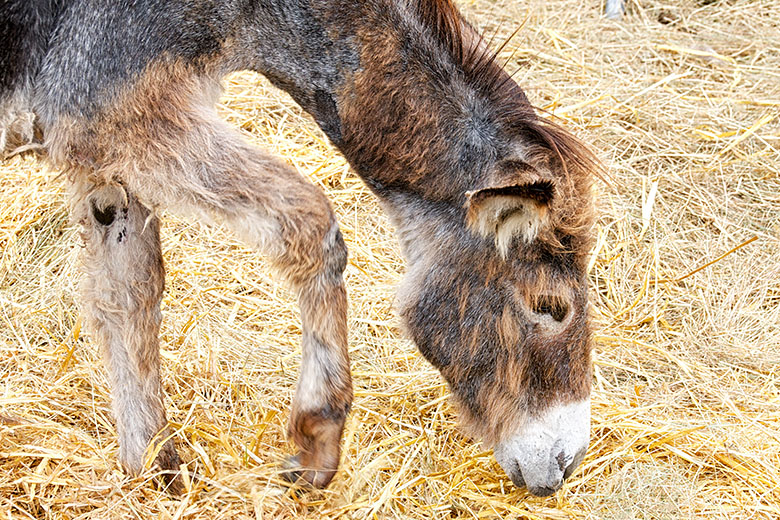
496 299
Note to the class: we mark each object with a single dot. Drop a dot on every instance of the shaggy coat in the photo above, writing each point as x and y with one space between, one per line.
491 202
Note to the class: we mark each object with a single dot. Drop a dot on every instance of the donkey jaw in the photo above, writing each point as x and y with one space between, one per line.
547 449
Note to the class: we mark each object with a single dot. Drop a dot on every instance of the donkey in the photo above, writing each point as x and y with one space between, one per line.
491 203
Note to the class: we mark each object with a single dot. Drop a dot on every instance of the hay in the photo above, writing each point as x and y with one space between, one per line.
686 397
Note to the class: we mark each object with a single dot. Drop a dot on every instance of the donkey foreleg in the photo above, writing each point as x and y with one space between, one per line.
324 393
121 292
273 208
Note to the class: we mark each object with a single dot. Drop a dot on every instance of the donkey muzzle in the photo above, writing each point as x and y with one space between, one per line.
547 449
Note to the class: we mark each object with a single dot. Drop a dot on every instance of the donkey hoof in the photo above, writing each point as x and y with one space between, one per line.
169 463
295 472
291 470
171 481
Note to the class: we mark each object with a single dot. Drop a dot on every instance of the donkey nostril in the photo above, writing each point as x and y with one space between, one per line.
569 470
561 460
517 476
574 463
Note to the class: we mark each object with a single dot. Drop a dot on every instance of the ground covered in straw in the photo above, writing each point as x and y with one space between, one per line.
682 102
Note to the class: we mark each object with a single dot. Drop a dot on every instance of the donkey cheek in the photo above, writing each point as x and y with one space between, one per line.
436 356
434 346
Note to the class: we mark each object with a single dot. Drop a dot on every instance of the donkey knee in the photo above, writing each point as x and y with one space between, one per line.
334 253
316 257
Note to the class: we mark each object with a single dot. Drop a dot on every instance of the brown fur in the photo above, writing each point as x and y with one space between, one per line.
121 291
537 361
197 166
491 202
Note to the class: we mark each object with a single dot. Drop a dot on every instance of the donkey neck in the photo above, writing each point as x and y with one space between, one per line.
388 91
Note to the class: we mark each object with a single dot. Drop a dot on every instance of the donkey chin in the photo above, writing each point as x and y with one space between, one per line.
547 449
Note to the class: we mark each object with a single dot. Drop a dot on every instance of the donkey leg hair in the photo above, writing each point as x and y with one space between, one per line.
275 209
17 124
121 292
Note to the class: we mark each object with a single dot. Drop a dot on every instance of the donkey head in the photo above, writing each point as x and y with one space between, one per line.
495 297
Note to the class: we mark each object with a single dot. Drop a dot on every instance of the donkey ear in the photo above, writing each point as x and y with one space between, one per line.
506 212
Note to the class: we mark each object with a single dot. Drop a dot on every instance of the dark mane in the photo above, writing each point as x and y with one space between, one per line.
480 65
462 41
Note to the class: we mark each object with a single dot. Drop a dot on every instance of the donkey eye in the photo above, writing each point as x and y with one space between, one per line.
554 306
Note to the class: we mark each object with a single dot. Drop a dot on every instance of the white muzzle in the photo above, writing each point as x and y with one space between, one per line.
547 449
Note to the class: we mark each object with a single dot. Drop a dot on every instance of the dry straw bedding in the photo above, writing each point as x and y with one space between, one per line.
686 402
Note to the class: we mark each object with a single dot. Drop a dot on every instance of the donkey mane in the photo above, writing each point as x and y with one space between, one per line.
480 66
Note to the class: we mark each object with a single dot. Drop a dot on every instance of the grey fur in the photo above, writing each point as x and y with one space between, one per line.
122 96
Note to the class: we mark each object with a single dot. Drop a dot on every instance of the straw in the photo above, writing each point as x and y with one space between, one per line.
686 388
